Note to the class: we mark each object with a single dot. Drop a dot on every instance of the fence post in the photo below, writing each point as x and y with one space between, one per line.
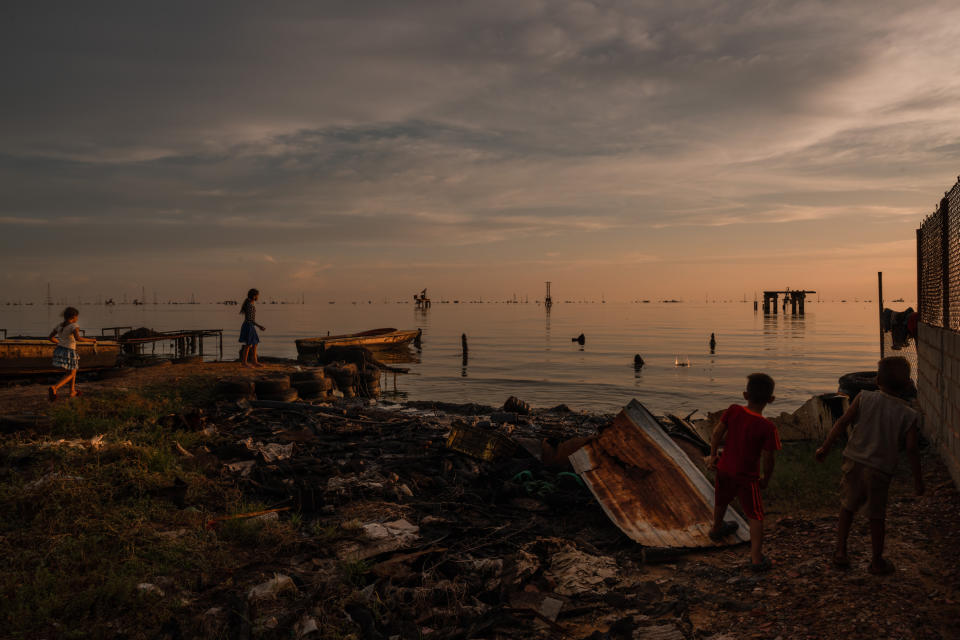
945 260
919 273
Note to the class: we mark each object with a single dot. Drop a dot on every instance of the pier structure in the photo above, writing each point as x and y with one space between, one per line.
422 301
547 300
794 297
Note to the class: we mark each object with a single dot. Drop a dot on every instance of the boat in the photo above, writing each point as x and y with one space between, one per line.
387 338
29 356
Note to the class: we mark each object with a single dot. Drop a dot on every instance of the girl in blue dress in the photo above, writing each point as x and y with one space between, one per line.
248 330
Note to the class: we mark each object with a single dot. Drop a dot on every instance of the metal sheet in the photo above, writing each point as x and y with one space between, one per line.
648 486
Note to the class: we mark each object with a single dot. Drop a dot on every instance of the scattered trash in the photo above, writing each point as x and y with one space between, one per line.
483 444
150 589
272 588
575 572
266 514
244 467
53 476
305 626
271 452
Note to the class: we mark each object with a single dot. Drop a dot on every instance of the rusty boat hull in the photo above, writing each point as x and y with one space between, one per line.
387 338
649 487
30 356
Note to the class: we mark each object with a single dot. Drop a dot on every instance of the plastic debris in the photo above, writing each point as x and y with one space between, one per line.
272 588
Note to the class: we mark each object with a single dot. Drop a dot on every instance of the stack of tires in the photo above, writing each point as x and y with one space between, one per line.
353 381
234 389
312 384
276 387
344 374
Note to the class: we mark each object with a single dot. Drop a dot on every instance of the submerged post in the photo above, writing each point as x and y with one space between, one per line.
880 309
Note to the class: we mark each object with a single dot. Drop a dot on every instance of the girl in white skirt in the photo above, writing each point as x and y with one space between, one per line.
66 335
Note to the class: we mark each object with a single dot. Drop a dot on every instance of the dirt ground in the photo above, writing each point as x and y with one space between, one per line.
486 558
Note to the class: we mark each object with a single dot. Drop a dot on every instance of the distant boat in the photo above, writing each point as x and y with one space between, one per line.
373 339
27 356
898 300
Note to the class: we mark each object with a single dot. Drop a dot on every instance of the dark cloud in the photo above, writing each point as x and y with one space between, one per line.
180 126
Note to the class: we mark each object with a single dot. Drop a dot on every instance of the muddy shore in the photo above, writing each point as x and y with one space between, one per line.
129 517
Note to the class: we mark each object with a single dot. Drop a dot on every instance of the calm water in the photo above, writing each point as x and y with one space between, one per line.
519 349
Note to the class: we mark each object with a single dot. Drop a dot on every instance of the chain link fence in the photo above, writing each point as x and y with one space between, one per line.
938 263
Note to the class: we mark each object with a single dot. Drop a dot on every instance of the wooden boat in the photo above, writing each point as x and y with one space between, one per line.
27 356
373 339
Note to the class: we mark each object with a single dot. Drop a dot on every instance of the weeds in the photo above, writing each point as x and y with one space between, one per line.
801 483
82 526
355 571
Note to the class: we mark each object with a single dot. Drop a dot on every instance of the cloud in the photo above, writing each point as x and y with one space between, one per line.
434 128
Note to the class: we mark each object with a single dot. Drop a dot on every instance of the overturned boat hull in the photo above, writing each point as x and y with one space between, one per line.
648 486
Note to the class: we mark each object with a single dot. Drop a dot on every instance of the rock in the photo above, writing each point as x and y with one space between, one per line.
516 405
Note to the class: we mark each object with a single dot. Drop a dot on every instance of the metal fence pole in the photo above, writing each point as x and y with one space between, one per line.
945 260
919 274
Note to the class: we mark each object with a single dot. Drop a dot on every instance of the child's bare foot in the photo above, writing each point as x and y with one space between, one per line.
841 560
881 567
258 365
51 394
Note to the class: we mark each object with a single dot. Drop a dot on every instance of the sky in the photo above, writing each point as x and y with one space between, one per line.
354 150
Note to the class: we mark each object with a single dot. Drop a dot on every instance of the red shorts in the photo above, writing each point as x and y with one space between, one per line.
748 491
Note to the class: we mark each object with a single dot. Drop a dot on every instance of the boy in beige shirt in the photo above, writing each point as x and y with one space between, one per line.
882 421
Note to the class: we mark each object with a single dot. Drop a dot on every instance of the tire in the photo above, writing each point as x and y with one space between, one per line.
272 385
286 395
236 397
234 386
306 376
852 384
310 388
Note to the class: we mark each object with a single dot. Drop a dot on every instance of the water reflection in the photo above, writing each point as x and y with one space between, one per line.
402 355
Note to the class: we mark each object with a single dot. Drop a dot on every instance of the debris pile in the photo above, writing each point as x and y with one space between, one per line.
443 524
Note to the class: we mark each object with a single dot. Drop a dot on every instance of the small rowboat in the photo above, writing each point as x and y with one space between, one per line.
29 356
372 339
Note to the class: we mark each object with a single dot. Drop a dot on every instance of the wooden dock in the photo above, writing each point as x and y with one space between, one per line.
795 297
184 342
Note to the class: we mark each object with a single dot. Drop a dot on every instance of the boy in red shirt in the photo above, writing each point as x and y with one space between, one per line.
748 437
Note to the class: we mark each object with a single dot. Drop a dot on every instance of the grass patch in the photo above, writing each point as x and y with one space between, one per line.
82 527
800 483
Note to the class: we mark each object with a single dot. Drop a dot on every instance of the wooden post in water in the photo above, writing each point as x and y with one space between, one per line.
880 307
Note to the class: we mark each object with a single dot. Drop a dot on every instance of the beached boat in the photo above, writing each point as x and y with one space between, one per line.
27 356
373 339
